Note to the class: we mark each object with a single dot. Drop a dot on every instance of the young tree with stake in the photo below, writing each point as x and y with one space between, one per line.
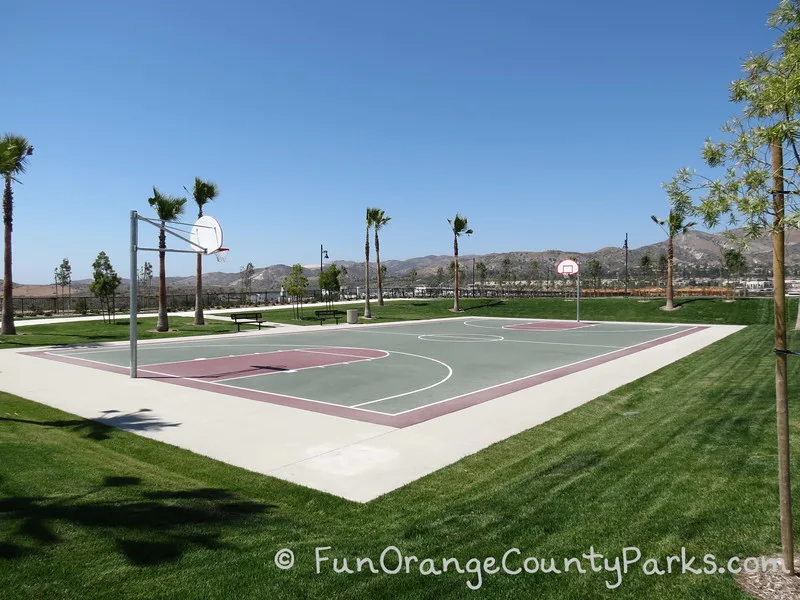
761 186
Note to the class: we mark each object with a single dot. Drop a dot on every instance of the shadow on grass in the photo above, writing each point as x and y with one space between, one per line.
101 428
147 527
485 304
681 301
578 463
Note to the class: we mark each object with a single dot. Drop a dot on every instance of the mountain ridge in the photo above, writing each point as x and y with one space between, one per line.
694 249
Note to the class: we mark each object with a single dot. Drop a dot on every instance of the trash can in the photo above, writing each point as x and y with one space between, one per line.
352 315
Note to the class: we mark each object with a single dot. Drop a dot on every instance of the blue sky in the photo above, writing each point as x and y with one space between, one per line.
549 125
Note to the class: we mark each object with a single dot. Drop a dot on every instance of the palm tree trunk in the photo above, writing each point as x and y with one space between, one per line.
380 275
367 309
8 293
455 275
198 295
781 386
670 291
163 323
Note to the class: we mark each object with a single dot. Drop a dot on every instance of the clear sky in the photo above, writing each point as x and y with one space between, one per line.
548 124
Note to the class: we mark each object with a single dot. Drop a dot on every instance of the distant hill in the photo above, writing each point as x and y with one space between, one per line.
694 249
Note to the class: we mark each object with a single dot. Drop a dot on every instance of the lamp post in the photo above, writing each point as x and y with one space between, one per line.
473 276
626 264
322 253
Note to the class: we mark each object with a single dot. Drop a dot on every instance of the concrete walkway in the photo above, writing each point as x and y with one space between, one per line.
190 313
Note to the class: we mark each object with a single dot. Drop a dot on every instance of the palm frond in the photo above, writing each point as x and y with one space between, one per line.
14 153
373 214
379 219
204 191
168 208
459 225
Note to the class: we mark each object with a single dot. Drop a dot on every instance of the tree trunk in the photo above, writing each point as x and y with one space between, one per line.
781 386
163 323
7 327
670 291
367 309
455 274
198 294
380 275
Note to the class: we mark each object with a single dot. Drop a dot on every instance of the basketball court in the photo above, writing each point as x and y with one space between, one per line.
396 375
356 410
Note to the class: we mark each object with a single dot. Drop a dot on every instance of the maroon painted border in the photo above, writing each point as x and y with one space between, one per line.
412 417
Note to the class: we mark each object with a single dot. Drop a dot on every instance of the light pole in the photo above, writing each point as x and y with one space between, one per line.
626 264
322 253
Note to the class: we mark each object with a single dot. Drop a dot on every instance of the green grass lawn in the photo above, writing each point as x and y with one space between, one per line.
742 312
92 332
92 512
746 311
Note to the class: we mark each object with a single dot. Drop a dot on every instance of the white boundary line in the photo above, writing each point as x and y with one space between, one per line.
565 344
354 406
504 339
532 375
445 365
460 339
89 360
518 328
315 351
599 331
362 359
347 362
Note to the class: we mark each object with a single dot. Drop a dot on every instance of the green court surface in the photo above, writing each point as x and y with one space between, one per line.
396 375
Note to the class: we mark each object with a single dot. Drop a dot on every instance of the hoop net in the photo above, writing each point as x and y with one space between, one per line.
221 255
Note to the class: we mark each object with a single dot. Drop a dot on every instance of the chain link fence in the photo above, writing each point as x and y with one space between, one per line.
83 304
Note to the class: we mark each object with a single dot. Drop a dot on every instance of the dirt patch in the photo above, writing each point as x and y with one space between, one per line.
767 584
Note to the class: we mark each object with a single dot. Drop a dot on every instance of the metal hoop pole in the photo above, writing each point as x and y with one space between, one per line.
134 290
578 298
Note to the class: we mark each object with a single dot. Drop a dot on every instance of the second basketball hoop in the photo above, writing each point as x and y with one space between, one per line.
568 267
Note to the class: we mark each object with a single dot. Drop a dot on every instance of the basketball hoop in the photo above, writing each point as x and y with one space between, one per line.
568 267
221 255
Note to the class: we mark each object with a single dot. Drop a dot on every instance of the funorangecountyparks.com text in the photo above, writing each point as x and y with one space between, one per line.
515 563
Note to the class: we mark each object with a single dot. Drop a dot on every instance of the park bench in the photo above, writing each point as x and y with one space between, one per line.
329 314
247 319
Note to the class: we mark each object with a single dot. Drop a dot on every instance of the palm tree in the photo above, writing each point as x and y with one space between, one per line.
460 227
168 208
14 153
379 220
372 214
202 192
673 226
